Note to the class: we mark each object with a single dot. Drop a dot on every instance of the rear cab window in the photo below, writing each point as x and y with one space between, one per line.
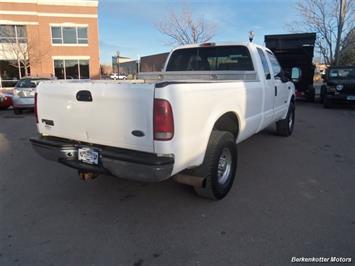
218 58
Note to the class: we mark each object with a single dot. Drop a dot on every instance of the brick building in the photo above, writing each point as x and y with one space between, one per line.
49 38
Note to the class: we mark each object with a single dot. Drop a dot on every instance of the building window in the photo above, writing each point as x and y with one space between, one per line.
13 34
69 35
10 72
71 69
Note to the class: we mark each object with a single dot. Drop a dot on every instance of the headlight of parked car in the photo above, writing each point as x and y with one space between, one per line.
339 87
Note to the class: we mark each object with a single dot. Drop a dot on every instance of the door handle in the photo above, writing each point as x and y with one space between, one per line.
84 96
275 90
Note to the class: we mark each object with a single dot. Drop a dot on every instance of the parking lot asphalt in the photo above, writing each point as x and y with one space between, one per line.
293 197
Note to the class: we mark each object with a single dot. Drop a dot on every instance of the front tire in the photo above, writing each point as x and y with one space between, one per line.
285 126
219 166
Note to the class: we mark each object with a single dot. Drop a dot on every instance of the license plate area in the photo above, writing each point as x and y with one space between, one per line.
351 98
88 155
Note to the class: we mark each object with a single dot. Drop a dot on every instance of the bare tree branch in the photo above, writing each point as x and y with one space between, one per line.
332 20
183 28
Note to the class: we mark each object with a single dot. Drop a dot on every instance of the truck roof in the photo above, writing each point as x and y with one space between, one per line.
213 44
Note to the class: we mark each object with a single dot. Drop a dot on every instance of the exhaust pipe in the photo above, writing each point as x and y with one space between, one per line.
86 176
190 180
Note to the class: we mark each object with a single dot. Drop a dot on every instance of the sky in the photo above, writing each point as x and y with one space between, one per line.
127 26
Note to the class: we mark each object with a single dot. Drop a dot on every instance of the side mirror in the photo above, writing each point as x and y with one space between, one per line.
287 75
282 75
296 74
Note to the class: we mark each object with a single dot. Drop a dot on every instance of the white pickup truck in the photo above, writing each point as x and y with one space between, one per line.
184 122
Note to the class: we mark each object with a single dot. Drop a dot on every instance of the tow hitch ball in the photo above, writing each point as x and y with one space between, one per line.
86 176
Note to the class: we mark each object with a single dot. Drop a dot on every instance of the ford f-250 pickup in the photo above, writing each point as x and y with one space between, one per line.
184 122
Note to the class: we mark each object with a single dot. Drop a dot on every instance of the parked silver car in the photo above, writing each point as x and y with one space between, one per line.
24 93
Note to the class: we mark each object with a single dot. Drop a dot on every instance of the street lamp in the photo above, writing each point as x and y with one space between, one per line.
118 61
251 36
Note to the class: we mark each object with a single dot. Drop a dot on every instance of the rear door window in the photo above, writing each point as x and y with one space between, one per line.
276 68
220 58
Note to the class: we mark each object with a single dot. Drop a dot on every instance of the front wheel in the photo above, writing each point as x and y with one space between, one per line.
219 166
285 126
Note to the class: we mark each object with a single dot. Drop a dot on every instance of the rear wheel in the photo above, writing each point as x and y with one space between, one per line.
17 111
219 166
285 126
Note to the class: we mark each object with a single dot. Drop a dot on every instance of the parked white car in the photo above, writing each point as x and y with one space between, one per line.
24 93
116 76
183 122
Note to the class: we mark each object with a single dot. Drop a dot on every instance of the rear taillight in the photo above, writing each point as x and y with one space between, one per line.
163 120
36 112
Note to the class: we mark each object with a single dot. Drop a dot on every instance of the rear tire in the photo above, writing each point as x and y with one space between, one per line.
285 126
17 111
219 166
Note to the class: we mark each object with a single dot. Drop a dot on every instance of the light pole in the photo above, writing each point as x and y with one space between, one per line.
118 61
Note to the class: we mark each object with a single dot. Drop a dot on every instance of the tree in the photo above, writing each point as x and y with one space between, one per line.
332 20
183 28
21 52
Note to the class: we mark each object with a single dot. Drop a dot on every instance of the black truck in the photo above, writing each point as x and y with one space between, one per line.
339 86
295 51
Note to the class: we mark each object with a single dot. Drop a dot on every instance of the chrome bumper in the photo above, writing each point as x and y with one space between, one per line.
118 162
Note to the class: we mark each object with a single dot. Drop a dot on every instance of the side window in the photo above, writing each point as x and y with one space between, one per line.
276 68
264 63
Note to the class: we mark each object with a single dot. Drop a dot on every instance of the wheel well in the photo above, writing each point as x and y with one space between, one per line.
228 122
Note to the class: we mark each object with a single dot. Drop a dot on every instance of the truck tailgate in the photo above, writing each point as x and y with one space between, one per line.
116 110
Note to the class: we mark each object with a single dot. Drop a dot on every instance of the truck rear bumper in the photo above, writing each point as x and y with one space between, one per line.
118 162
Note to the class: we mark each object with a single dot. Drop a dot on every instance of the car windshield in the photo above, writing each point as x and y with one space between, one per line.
342 73
220 58
29 83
